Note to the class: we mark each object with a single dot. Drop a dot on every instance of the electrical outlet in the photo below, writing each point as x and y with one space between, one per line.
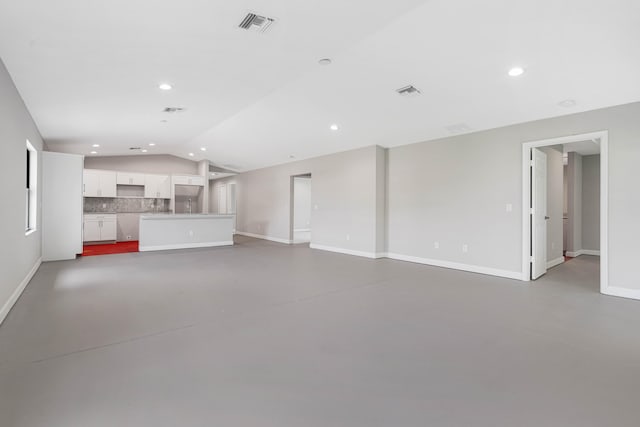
436 245
553 245
315 207
104 206
509 207
348 237
465 248
129 237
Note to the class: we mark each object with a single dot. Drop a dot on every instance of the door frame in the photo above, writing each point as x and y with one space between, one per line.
292 179
603 136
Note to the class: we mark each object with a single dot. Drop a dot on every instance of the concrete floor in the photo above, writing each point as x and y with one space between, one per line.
264 334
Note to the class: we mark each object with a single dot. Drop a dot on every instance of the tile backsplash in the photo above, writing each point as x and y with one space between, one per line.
125 205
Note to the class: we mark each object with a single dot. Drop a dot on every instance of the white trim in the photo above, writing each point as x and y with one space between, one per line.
554 262
622 292
6 308
604 200
364 254
260 236
583 252
300 230
590 252
457 266
184 246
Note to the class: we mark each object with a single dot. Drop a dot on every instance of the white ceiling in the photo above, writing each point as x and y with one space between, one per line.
88 71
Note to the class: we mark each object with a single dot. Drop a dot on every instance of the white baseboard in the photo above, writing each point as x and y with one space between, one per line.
184 246
6 308
554 262
583 252
301 229
590 252
364 254
622 292
458 266
260 236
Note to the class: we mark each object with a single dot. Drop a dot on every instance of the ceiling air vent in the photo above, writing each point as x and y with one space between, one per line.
256 22
458 128
409 91
173 110
135 148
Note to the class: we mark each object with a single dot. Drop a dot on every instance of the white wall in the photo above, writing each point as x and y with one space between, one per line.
591 202
301 203
152 163
347 191
454 190
555 196
20 254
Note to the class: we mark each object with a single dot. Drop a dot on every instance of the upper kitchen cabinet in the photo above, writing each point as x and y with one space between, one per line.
129 178
99 183
188 180
157 186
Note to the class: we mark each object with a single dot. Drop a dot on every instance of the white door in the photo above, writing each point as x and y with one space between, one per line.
539 213
222 199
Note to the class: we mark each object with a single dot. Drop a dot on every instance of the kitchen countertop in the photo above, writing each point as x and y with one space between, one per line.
170 216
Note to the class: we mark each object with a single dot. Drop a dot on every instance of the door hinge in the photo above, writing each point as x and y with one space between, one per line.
531 211
531 163
531 259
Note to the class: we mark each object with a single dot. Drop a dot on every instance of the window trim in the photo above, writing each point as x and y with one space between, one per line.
31 190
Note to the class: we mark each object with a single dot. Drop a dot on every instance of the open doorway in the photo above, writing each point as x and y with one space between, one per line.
565 203
301 208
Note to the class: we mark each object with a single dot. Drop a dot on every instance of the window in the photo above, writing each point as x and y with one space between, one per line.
31 189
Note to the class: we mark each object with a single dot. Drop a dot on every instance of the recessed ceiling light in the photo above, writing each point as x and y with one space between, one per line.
334 127
163 121
94 152
165 86
152 144
96 145
191 154
325 61
144 150
516 71
203 149
568 103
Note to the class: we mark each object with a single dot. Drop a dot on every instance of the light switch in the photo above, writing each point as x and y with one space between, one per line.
509 207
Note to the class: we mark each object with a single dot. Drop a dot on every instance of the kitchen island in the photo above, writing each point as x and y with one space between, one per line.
180 231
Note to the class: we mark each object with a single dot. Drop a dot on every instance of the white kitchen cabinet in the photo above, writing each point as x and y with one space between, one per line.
130 178
157 187
99 227
188 180
99 183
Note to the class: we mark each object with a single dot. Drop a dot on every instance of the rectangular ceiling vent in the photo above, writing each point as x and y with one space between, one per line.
256 22
173 110
409 91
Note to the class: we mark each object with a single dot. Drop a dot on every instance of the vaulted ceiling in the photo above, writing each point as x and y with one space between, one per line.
89 71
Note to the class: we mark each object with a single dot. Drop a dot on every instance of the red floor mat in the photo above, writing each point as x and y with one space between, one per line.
110 248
